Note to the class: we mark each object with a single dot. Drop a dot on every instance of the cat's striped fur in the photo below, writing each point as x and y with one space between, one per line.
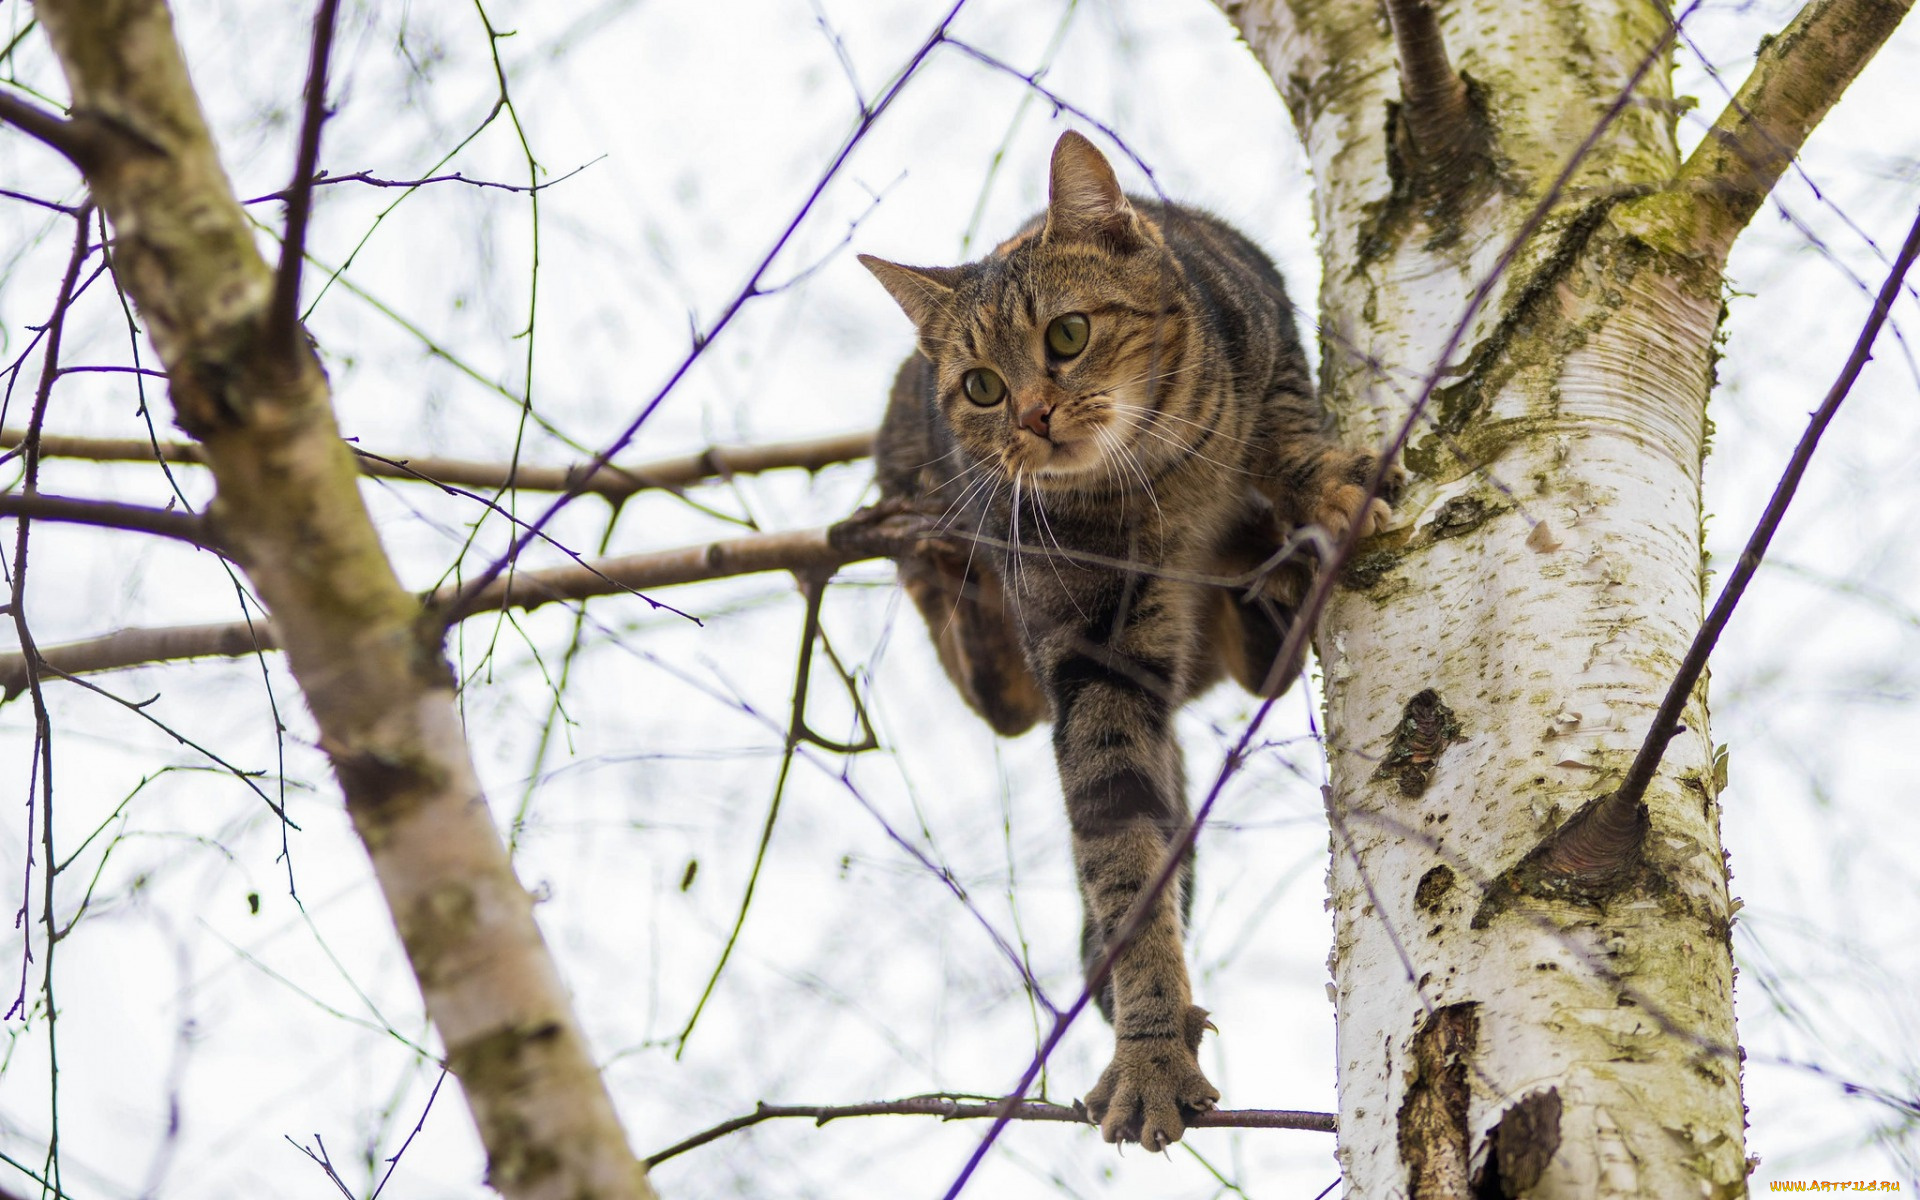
1152 422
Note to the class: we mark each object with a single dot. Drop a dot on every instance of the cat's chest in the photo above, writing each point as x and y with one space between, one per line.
1113 528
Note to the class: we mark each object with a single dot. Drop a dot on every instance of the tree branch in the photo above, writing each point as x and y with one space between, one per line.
283 312
1442 134
960 1108
321 178
182 526
615 483
70 138
1797 76
803 551
373 674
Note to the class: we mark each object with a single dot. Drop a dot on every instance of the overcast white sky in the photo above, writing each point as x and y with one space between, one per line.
700 128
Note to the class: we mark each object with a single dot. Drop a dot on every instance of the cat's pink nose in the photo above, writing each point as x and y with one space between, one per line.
1034 419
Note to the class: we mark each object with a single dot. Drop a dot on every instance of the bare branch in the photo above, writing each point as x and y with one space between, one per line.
136 647
39 201
1441 134
1798 75
372 672
70 138
802 551
615 483
183 526
961 1108
808 551
324 179
41 772
283 310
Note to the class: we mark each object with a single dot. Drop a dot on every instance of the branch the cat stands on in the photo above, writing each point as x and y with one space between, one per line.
1113 403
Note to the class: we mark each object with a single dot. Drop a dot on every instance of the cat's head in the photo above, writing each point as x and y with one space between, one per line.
1050 353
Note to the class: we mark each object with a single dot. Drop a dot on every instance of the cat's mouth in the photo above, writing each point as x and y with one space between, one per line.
1075 442
1090 434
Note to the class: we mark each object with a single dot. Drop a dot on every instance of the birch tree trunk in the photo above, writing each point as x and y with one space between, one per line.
1520 1012
367 656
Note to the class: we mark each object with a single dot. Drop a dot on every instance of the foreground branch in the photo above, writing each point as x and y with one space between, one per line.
959 1108
283 311
1797 76
68 137
374 675
182 526
614 483
807 550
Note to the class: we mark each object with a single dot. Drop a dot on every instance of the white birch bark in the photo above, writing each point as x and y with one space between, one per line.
1543 582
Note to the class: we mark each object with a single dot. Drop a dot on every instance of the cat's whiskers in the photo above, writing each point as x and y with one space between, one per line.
940 459
1017 567
1126 457
973 545
1149 418
1060 552
1163 415
1187 450
957 476
958 507
954 478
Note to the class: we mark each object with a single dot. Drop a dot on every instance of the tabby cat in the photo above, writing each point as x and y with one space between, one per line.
1107 409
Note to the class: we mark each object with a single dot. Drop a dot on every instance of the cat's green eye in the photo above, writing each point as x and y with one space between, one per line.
983 387
1067 335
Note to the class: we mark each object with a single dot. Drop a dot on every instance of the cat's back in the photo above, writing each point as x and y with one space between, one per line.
914 453
1240 296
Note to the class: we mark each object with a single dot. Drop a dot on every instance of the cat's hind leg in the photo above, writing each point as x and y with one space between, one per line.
1248 620
965 608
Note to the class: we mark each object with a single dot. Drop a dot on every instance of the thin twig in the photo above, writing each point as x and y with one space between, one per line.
283 310
68 137
614 483
1666 721
182 526
41 770
54 205
325 179
962 1108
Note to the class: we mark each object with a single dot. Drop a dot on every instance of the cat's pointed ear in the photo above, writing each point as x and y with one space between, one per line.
920 291
1084 200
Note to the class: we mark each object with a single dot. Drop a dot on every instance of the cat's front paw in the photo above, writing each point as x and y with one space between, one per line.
1150 1090
896 526
1339 502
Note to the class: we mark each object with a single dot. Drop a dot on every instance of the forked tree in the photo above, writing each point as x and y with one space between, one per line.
1533 967
1523 284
